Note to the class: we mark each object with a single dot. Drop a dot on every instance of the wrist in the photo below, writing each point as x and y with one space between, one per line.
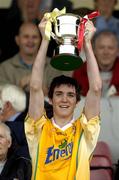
87 44
45 41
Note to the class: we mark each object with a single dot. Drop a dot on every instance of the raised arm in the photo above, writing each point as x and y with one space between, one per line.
36 103
92 103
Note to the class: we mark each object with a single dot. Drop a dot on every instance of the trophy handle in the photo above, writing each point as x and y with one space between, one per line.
81 30
59 40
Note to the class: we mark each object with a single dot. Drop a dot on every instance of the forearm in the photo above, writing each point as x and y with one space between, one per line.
92 68
36 102
38 67
92 103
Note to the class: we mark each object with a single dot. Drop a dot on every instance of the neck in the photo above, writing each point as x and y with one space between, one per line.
106 68
106 14
107 17
61 122
3 158
28 59
9 114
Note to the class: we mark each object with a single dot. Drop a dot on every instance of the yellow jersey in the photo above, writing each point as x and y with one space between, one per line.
61 154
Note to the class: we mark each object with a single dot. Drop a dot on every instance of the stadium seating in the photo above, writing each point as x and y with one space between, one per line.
101 163
100 174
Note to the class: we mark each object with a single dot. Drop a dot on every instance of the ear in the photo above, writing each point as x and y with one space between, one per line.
17 40
9 143
50 101
8 105
77 102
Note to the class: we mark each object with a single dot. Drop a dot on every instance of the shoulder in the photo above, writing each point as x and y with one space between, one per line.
31 125
24 168
23 162
116 65
11 60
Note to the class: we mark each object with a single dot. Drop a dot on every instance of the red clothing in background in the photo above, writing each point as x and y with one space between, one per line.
81 76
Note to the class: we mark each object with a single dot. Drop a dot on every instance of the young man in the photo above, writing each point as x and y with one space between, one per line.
61 147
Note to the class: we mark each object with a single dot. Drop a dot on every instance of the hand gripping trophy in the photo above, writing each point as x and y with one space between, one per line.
68 34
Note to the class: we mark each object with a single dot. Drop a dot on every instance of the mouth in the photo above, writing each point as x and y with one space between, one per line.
64 106
30 46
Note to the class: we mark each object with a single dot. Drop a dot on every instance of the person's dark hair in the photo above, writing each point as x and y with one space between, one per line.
57 81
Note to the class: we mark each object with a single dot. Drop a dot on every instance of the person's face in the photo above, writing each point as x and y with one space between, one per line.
28 40
30 7
106 51
64 101
105 6
4 144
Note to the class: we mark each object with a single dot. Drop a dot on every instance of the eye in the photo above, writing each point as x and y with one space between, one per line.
71 94
1 136
58 93
35 37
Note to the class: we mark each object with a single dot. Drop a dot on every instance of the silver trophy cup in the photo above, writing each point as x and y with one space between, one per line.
66 54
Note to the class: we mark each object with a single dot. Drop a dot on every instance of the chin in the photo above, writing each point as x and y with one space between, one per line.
66 115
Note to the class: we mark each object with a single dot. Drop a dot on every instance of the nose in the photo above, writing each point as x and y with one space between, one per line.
106 50
30 39
64 98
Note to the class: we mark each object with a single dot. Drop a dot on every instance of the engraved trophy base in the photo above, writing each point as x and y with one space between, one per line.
66 62
66 58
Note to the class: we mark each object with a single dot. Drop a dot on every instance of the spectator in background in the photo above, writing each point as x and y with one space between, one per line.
10 21
106 20
29 10
11 165
17 69
33 10
13 112
106 46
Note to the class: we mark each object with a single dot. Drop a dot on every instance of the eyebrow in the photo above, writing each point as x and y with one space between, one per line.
55 92
73 93
2 136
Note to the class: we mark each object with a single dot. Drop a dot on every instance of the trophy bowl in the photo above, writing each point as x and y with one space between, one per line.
66 54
